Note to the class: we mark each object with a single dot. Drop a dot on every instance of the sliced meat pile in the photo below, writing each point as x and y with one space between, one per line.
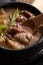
18 33
23 16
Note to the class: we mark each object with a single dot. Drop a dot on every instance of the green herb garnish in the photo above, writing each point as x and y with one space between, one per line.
2 27
10 23
14 17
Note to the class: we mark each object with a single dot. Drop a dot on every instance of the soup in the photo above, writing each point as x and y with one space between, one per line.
13 35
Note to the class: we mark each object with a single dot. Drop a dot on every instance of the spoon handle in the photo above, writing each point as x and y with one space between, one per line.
38 20
34 22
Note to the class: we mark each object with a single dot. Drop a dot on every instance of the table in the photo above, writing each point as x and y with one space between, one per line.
38 4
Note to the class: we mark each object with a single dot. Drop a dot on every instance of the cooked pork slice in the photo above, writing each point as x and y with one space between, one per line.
24 37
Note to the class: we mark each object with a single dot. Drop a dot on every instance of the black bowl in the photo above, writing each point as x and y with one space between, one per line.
26 55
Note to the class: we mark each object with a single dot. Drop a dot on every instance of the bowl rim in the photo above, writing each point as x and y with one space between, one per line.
37 42
4 4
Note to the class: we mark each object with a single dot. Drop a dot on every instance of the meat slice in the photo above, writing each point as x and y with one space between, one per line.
15 30
24 38
26 13
21 19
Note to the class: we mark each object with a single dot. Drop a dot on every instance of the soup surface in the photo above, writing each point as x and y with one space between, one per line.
13 35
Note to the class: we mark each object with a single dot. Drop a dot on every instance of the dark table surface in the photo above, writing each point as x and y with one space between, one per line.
38 61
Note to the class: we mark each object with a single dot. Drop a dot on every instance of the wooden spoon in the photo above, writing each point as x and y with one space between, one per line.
34 23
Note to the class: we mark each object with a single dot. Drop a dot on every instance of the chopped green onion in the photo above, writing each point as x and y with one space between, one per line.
14 17
10 23
2 27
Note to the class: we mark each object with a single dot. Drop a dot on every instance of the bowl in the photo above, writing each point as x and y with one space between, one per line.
26 55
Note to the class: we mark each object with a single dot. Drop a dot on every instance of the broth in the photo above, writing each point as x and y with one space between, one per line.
16 36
